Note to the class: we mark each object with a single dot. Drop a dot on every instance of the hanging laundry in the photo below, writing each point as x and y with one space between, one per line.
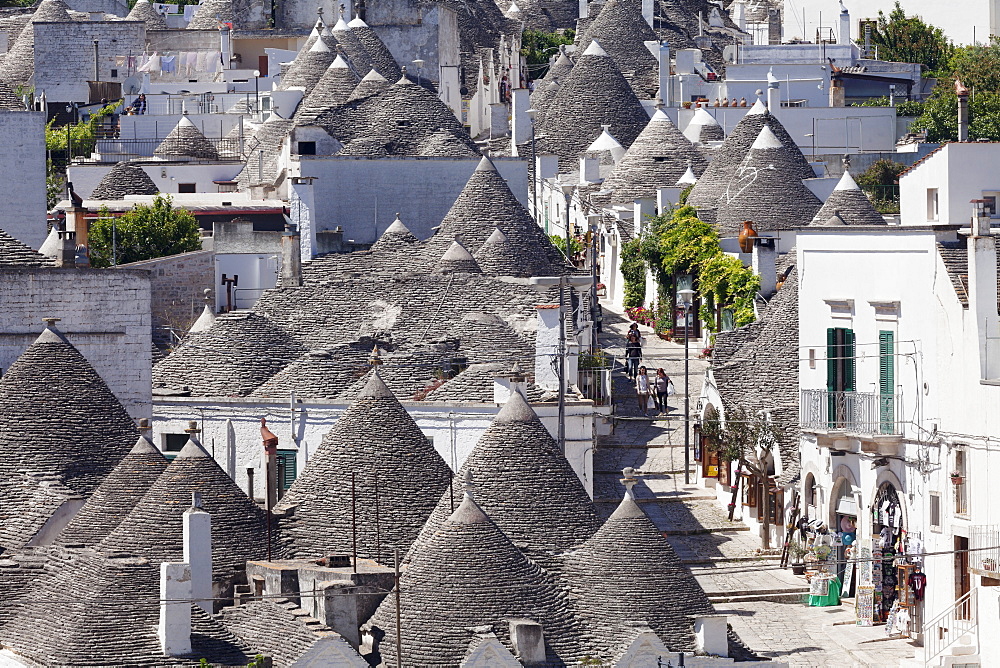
168 63
200 66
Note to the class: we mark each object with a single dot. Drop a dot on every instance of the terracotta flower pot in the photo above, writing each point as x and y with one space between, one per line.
747 236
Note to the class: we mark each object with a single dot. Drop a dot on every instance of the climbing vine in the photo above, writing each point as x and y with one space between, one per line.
634 273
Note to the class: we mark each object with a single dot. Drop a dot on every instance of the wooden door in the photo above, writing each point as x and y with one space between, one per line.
262 65
963 582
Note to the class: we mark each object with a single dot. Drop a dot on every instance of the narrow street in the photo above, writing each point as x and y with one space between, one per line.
765 603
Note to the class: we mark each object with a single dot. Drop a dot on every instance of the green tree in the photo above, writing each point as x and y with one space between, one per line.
881 183
976 65
940 116
537 46
909 40
633 273
82 135
560 242
143 233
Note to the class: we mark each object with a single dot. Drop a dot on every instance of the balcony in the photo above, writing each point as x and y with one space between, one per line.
984 551
870 417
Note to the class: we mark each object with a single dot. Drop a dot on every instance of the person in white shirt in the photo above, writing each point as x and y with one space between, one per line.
642 389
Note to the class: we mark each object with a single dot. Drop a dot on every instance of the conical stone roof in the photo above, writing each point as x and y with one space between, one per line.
656 159
18 64
186 140
594 94
377 441
610 597
621 30
727 158
371 84
850 203
210 13
457 260
703 128
153 527
767 190
125 178
8 100
499 257
57 416
485 204
266 141
353 48
308 67
525 484
116 496
541 99
382 59
469 575
332 90
324 373
395 237
234 357
13 253
143 10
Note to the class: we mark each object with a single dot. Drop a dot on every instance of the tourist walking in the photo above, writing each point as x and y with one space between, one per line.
633 351
642 389
661 385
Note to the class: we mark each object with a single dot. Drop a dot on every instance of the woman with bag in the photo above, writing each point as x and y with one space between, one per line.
642 390
662 387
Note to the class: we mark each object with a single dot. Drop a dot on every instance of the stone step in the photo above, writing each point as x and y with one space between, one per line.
777 597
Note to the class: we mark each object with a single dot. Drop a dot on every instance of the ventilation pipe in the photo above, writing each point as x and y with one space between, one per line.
963 111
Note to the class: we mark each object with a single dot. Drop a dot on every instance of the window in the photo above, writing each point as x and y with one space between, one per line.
307 148
810 490
886 382
935 511
114 74
960 486
286 468
174 442
840 374
187 187
932 204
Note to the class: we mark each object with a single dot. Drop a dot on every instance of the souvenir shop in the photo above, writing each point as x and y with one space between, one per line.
883 573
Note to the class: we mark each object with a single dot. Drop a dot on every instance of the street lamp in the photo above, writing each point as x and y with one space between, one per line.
256 90
420 67
686 297
892 95
567 189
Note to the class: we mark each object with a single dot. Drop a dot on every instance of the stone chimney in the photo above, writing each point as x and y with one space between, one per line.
506 383
963 111
765 257
66 256
528 641
174 630
590 169
837 93
291 259
270 440
773 94
198 552
711 635
983 289
845 25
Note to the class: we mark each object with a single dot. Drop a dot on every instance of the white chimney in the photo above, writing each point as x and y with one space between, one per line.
661 51
773 93
845 25
740 14
711 635
520 102
547 347
583 10
590 170
198 552
983 290
647 11
302 204
175 609
764 261
528 640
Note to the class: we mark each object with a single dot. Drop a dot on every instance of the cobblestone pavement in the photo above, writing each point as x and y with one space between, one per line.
724 556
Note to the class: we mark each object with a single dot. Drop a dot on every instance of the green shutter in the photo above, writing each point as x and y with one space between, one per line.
886 381
849 364
288 459
831 376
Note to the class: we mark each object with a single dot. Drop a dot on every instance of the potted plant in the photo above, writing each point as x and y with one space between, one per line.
602 290
798 553
956 478
664 325
989 564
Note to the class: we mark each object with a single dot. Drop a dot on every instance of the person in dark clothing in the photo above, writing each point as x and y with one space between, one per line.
633 351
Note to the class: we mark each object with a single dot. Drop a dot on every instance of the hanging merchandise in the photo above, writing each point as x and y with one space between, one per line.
917 583
865 605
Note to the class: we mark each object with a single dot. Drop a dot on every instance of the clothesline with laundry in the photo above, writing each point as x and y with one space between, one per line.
169 62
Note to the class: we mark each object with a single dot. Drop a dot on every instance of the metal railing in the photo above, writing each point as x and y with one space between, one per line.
951 625
115 150
870 413
595 384
984 550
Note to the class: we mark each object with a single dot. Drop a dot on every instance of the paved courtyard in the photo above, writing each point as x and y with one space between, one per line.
763 601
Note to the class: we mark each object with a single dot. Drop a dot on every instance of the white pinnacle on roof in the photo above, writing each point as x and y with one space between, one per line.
319 47
341 26
847 182
356 22
457 253
766 140
606 142
513 10
185 121
688 178
372 76
204 321
397 227
757 108
700 119
339 63
595 50
485 165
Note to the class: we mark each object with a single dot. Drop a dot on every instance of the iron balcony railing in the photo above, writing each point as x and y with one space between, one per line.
984 550
595 384
115 150
869 413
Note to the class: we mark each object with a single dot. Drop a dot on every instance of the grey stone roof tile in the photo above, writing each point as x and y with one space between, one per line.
153 528
266 140
125 178
308 67
8 100
850 203
13 253
593 94
210 13
469 575
476 384
332 90
18 65
524 482
58 419
186 140
143 10
116 495
382 59
955 255
352 46
657 158
378 442
621 30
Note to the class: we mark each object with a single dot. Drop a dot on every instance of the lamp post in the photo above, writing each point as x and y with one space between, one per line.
567 189
256 90
419 62
686 297
531 114
892 95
